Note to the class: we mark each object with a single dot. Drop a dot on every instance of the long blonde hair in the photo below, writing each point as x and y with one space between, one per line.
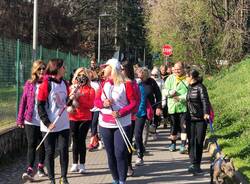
35 66
117 76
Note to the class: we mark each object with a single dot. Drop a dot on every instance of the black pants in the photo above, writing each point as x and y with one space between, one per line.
94 123
196 132
62 140
34 135
79 131
131 140
117 151
139 126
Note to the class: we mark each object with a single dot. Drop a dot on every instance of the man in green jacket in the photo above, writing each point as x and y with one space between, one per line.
176 91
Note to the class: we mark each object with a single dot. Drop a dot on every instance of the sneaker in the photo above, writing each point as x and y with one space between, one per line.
115 182
191 168
139 162
130 171
198 171
152 129
183 149
154 137
28 175
195 170
81 168
41 172
74 168
52 181
100 146
63 181
172 147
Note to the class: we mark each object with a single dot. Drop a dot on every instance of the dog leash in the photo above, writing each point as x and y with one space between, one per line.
210 122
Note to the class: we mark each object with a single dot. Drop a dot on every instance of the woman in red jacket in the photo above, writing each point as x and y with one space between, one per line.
80 117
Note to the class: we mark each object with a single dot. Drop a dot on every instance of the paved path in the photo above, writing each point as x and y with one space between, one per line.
161 166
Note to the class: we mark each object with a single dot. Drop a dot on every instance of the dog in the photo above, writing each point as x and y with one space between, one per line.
222 169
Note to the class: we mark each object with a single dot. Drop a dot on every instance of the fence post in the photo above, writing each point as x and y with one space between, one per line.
69 58
41 52
78 61
17 75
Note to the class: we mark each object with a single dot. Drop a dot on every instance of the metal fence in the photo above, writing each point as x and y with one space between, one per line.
15 67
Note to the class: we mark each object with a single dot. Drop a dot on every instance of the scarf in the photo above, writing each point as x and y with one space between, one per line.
179 79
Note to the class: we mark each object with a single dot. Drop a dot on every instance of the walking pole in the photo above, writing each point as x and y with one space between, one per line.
58 116
129 150
125 135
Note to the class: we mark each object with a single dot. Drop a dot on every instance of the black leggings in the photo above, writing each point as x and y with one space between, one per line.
62 140
79 131
196 132
131 141
34 135
94 123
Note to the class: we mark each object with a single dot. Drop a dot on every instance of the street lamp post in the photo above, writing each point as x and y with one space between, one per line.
34 46
99 34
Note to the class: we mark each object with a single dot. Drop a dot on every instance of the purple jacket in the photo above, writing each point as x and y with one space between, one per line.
26 105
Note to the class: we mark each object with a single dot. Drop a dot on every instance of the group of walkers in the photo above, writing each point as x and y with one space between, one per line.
115 100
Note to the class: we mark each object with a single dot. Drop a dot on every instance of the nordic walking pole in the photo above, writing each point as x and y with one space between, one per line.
58 116
129 150
125 135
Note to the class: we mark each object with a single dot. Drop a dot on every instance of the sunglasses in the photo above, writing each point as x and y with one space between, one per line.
41 68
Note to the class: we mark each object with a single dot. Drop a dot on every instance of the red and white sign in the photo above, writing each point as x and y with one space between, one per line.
167 50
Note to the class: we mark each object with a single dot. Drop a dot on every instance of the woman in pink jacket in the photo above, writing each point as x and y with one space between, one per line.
29 119
116 101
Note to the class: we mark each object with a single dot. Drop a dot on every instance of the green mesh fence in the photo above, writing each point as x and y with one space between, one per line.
15 68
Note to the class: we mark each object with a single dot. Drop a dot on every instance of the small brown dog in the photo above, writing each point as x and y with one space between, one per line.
221 169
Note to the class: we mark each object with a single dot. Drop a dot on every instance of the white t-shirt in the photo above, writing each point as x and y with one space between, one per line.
55 103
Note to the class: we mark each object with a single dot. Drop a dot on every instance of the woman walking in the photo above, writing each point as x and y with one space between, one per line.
128 72
116 101
80 117
198 107
52 98
29 119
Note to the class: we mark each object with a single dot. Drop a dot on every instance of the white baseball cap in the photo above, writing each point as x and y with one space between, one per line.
114 63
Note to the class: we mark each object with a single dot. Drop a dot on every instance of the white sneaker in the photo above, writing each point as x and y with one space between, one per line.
101 146
154 137
74 168
139 162
82 168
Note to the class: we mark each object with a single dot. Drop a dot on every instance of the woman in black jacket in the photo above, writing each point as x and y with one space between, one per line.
198 107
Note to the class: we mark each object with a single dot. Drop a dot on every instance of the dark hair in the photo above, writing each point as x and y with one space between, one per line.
53 66
194 74
129 69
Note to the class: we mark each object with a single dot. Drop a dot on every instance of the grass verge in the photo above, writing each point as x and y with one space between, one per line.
229 92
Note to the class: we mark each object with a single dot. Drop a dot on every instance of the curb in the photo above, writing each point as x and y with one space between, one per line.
211 148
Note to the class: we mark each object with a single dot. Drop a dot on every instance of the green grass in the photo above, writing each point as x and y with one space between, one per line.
229 93
7 107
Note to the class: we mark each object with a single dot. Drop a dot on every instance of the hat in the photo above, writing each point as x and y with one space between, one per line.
114 63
